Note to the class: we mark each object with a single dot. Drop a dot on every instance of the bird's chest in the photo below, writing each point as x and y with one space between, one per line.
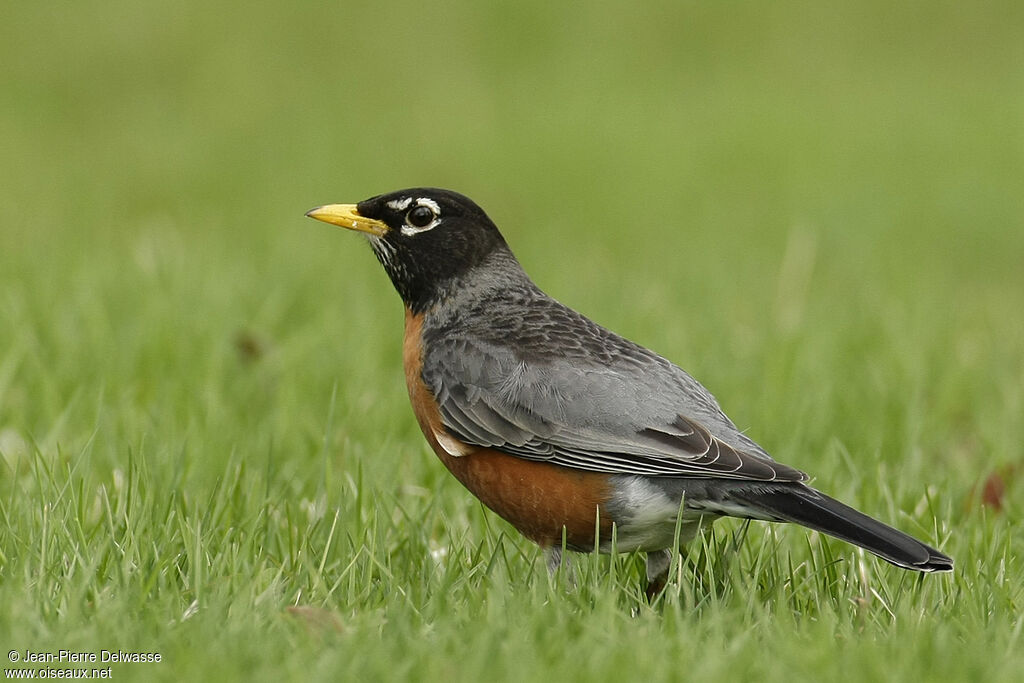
537 498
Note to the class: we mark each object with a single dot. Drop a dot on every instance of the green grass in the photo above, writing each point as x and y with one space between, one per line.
206 445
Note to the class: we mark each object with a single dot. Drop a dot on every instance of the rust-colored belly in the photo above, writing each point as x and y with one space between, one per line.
538 499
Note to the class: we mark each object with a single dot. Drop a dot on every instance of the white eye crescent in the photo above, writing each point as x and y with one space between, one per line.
423 215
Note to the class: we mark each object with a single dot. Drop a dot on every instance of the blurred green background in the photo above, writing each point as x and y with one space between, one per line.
816 208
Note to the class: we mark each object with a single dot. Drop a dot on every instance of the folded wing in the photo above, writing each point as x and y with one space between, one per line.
634 413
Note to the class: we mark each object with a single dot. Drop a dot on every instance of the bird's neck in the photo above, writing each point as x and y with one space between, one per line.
499 270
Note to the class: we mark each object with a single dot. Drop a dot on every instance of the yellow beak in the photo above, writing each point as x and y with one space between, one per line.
347 216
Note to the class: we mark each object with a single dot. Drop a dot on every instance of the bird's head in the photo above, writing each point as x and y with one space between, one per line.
427 239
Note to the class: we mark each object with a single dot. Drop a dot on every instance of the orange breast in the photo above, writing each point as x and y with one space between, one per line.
537 498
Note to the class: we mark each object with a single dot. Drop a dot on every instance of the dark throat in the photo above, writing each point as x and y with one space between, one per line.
423 283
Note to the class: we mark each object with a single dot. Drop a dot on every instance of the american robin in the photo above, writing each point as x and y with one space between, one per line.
560 426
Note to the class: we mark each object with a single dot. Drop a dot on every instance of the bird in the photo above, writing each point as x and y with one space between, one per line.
568 431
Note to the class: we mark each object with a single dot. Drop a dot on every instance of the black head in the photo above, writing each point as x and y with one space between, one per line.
427 239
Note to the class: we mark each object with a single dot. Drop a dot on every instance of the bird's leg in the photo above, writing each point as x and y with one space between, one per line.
558 561
555 559
658 563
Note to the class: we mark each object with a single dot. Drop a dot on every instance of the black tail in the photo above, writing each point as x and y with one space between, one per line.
813 509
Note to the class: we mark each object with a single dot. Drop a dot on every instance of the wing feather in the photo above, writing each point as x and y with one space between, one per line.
645 417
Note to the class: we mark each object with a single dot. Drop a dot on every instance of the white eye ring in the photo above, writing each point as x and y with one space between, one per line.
415 218
420 216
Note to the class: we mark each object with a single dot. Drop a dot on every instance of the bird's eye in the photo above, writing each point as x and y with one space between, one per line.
420 216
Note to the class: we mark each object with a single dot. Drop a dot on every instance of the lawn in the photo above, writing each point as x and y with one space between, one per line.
207 449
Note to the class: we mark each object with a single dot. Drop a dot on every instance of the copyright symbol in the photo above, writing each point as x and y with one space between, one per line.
13 655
